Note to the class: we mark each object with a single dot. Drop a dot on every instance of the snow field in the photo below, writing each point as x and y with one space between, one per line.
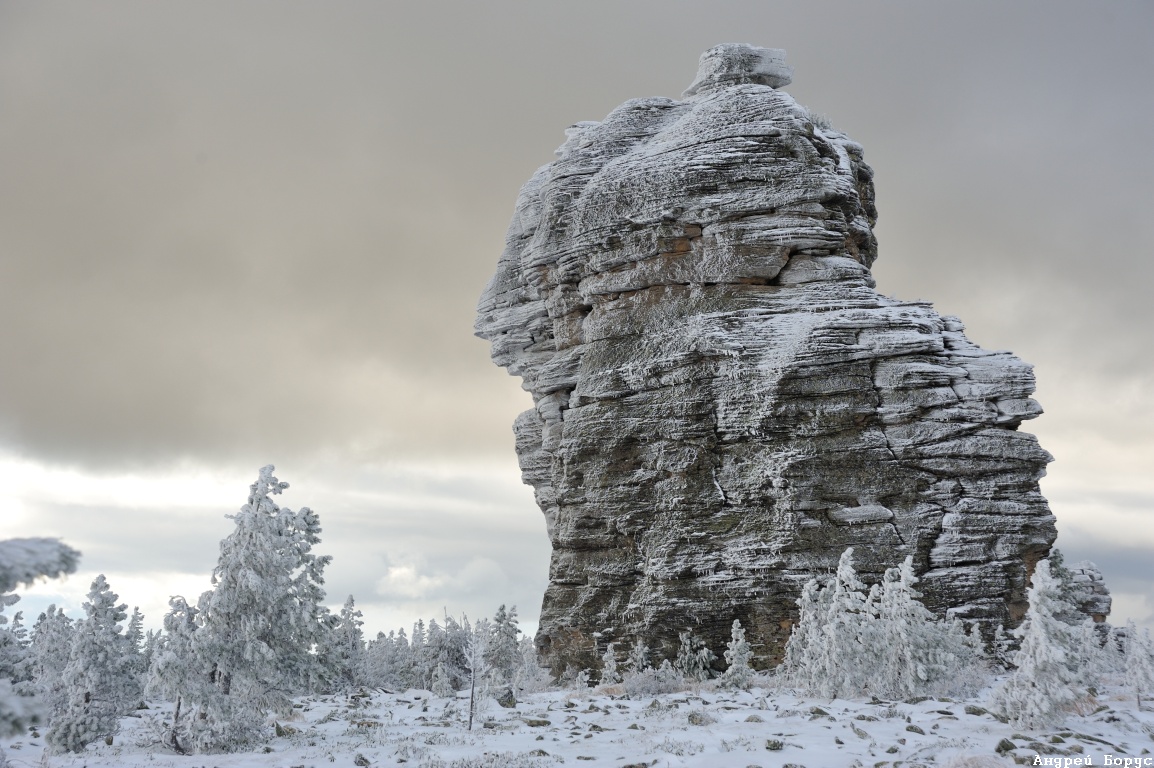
701 727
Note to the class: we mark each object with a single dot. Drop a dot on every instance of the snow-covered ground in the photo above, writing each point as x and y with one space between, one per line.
702 726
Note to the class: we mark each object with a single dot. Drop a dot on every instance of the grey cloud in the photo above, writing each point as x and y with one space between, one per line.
236 233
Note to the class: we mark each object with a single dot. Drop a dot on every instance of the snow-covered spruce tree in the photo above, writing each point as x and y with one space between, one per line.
804 651
504 651
738 654
450 646
1093 660
52 637
389 661
441 683
262 620
476 664
99 680
1139 661
14 651
827 652
915 653
693 657
178 673
347 646
638 660
23 561
609 673
1044 683
530 677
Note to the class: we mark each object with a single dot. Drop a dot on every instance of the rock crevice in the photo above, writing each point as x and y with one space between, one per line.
722 400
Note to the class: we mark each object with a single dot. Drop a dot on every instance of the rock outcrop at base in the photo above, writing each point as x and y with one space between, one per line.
723 402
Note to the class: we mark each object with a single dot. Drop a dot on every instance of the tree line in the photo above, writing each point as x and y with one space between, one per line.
262 635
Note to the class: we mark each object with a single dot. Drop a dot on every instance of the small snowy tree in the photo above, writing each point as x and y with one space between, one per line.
915 651
476 664
100 682
347 649
178 673
826 654
738 673
1139 662
805 649
530 677
1044 682
504 651
52 637
693 657
609 673
882 641
638 660
441 683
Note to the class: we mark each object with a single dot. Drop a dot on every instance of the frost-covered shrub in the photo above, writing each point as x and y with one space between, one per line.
638 656
653 682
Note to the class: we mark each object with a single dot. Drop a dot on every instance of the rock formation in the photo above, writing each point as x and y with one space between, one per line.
723 402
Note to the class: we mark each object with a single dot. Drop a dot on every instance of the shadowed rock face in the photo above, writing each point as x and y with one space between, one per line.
723 402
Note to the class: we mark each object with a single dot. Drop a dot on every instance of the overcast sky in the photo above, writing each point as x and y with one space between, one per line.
255 232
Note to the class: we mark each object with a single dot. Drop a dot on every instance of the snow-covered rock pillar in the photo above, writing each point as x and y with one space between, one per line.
723 402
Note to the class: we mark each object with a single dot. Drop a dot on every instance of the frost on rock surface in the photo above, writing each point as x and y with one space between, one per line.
723 402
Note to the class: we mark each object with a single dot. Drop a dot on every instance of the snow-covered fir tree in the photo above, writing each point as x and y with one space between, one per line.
262 620
134 638
346 648
178 673
476 663
22 562
504 650
738 654
638 660
609 673
915 652
99 680
14 651
530 677
849 640
693 657
1092 661
1139 663
52 637
825 653
1044 682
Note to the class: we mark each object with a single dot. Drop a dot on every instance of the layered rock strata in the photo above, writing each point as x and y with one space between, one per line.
722 401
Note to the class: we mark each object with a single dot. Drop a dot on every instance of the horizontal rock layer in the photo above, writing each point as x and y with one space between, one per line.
723 402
